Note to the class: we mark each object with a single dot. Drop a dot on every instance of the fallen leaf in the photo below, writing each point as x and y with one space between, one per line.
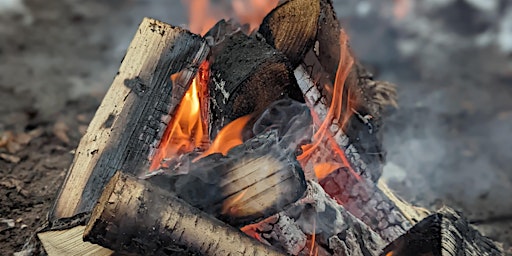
10 158
5 137
12 183
60 131
10 222
15 142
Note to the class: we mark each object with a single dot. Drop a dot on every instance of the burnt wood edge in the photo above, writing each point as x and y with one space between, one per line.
292 27
443 233
141 93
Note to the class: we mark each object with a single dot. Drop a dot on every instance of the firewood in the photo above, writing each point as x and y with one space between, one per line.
255 180
444 233
246 76
356 191
134 217
336 229
132 117
292 27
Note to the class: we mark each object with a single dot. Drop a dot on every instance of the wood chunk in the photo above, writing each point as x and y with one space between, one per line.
134 217
255 180
246 76
367 202
319 217
292 27
445 233
328 48
129 122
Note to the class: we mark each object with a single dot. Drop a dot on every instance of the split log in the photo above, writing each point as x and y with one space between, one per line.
318 221
357 190
253 181
444 233
292 27
246 76
134 217
132 116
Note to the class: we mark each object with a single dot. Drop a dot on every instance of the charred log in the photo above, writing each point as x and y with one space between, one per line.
246 76
444 233
141 93
255 180
330 228
130 120
134 217
292 27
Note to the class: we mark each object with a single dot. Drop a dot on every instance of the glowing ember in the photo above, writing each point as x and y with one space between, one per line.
187 131
339 112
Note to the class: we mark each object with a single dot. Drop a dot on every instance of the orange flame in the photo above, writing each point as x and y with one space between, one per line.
228 137
339 112
203 15
187 130
252 12
401 8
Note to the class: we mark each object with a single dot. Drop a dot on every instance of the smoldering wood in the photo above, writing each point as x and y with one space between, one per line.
327 48
292 27
372 96
134 217
367 202
314 95
336 230
133 114
130 120
444 233
246 76
255 180
361 136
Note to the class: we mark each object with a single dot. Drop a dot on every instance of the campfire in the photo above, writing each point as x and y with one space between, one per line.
257 135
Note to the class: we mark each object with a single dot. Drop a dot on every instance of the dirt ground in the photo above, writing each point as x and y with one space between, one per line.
449 143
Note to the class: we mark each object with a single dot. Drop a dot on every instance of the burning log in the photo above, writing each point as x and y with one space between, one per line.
332 228
291 28
445 232
130 121
134 217
247 75
253 181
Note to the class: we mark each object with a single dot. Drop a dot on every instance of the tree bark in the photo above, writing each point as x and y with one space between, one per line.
134 217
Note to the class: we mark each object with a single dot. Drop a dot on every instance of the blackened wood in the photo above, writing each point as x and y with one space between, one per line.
246 76
292 27
367 202
317 216
134 217
132 117
255 180
444 233
371 97
327 47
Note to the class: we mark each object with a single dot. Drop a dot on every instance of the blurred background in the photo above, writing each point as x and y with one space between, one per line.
449 142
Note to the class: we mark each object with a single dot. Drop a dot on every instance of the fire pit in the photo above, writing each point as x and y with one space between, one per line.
244 141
